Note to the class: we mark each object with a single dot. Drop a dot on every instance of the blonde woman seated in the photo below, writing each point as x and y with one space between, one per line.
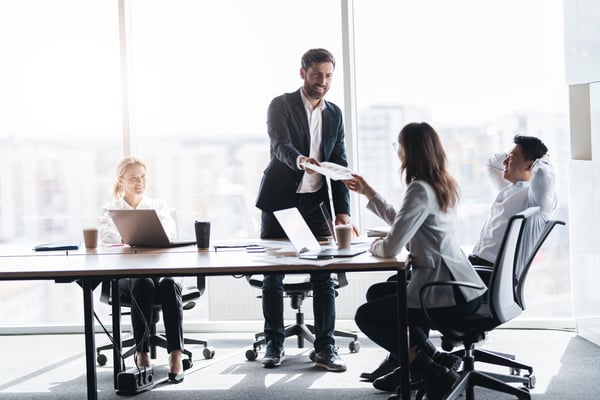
128 193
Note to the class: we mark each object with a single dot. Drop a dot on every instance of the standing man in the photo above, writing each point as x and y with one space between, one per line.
303 128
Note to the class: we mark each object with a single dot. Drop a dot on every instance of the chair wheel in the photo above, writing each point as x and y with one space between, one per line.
531 383
312 355
101 359
187 363
251 355
208 353
354 346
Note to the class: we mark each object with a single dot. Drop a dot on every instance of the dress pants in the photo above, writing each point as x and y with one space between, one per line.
321 282
144 294
377 318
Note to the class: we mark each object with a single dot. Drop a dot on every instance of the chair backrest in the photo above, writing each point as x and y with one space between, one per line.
502 298
529 257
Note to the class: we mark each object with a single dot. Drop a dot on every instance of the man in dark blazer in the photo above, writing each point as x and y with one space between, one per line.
303 128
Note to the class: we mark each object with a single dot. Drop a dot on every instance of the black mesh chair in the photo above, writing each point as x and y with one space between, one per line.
505 302
297 291
189 294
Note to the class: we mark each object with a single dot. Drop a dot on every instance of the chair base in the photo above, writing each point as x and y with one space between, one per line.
303 332
470 379
155 340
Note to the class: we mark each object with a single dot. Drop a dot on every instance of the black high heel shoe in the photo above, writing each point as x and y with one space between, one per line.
386 366
175 378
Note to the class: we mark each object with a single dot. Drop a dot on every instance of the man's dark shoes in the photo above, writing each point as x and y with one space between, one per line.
329 359
386 366
274 355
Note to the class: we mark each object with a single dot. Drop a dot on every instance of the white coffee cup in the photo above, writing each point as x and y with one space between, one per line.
343 236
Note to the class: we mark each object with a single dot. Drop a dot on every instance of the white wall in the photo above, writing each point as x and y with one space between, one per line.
582 62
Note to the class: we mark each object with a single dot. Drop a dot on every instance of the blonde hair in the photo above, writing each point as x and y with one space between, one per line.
122 167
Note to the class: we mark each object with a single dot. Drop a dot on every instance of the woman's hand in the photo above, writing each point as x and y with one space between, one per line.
359 185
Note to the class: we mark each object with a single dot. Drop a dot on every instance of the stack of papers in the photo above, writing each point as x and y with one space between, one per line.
331 170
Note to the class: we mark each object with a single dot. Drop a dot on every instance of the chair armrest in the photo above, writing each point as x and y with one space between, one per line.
442 283
342 279
105 292
484 272
201 283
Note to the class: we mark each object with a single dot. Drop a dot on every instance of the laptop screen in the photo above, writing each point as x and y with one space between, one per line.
297 230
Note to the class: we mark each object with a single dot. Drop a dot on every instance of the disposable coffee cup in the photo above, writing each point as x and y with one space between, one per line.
90 238
202 229
343 236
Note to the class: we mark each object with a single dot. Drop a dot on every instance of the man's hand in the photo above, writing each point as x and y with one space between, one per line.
303 159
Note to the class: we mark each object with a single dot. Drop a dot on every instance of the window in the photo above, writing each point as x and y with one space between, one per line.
479 73
60 125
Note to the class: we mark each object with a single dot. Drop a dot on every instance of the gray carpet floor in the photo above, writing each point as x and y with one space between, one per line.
53 367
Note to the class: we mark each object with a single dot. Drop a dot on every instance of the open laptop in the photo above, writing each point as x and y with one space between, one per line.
142 228
305 242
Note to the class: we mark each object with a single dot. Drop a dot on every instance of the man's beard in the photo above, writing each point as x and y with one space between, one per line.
313 94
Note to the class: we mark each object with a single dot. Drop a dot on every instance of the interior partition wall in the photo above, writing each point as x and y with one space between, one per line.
582 59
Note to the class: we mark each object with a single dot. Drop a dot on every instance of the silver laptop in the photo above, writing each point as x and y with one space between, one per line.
305 242
142 228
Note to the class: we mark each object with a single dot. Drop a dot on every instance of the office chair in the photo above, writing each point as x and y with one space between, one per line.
188 295
504 302
297 292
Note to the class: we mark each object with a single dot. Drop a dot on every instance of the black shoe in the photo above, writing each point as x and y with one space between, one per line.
388 382
448 360
330 360
274 356
391 381
175 378
386 366
439 380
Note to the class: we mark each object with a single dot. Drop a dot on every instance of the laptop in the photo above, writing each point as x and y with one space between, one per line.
142 228
305 242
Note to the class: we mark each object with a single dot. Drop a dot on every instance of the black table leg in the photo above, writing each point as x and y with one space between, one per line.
404 388
116 328
90 341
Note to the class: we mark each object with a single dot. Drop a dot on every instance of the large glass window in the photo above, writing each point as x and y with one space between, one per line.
203 77
60 128
479 72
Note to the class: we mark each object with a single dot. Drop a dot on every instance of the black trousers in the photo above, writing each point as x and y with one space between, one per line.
144 294
321 282
377 318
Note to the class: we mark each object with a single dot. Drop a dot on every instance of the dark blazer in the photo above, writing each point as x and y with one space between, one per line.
289 135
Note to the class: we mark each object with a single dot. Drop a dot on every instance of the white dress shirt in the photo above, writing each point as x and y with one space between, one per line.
312 183
514 198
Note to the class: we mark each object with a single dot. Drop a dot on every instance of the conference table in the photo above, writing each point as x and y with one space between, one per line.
89 267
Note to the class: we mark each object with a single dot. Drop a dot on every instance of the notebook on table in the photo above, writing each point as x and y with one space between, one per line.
142 228
305 242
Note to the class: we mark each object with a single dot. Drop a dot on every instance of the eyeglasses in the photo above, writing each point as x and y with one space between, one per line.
396 146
